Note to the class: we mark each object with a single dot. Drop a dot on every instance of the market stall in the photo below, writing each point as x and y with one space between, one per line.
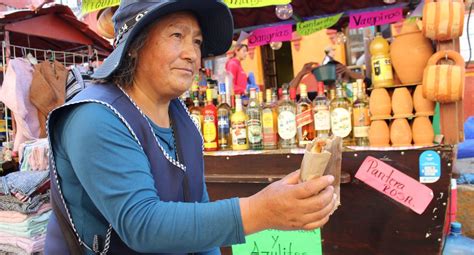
43 50
375 216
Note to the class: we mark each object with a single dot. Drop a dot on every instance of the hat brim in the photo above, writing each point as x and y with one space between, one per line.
214 18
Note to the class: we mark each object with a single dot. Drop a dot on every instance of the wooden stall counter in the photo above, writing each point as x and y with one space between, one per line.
368 221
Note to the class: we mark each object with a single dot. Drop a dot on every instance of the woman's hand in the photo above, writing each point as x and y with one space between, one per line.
289 205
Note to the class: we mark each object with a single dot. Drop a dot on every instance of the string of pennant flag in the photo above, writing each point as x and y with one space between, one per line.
281 32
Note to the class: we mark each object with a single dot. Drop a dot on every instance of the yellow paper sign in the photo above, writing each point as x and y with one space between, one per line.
94 5
315 25
254 3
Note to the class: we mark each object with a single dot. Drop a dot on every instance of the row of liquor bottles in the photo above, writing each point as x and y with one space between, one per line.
283 123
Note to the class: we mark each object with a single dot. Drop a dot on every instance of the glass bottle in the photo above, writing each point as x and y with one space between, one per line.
196 114
209 127
269 123
260 99
254 122
322 115
239 127
341 116
223 124
361 117
286 121
304 118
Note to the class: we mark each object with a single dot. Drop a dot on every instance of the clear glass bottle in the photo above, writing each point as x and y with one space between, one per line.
239 127
341 116
287 121
223 124
269 123
322 115
304 118
209 127
361 117
196 114
254 122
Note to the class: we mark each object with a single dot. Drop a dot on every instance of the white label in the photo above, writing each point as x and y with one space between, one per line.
255 131
239 134
287 125
322 120
341 122
361 131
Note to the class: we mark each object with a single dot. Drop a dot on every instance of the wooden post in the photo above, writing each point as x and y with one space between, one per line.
451 114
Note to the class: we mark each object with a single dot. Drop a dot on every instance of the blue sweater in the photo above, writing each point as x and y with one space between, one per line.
105 178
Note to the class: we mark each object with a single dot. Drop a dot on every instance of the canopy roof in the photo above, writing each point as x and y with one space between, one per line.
55 28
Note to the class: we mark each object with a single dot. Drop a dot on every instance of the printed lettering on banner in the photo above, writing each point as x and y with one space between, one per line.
270 34
313 26
94 5
254 3
367 19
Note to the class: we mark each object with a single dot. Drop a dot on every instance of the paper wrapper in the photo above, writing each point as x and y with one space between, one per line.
327 162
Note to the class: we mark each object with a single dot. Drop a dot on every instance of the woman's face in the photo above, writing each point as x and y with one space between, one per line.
242 53
171 55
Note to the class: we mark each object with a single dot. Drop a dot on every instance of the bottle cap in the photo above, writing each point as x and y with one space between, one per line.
456 227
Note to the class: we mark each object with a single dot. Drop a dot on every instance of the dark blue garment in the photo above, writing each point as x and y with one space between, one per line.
168 178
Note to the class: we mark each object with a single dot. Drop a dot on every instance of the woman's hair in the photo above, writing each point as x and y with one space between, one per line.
237 48
123 76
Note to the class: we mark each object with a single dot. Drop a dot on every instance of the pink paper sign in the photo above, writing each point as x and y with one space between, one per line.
367 19
270 34
395 184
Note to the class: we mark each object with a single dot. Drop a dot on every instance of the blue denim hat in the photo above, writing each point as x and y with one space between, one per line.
132 16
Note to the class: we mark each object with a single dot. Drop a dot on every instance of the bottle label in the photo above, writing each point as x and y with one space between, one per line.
287 125
361 131
255 131
209 132
381 69
304 118
322 120
239 133
341 122
223 129
197 120
361 117
269 135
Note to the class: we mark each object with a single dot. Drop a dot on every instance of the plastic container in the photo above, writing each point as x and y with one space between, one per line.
382 74
325 73
456 243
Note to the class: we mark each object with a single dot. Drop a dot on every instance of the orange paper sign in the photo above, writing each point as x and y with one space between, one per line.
395 184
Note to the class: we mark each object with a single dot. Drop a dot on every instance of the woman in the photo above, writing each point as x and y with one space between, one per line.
234 67
128 162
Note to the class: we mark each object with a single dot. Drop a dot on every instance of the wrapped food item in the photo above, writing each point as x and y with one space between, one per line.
323 156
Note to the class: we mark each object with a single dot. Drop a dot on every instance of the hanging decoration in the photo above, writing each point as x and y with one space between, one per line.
315 25
254 3
276 45
270 34
284 11
341 38
367 19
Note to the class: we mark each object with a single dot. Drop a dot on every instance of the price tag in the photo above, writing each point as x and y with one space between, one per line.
395 184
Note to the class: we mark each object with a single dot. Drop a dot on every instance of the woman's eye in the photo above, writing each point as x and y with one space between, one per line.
198 42
177 35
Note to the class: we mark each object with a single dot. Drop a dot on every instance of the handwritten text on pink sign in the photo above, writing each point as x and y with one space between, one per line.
367 19
270 34
395 184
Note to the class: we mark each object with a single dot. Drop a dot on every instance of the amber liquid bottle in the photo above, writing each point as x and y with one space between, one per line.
209 129
269 123
304 118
